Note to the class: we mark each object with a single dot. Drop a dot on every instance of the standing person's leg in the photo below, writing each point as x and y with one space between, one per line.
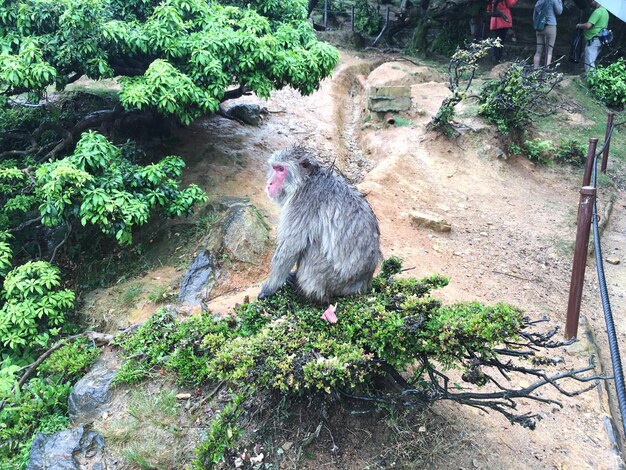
541 41
592 49
550 35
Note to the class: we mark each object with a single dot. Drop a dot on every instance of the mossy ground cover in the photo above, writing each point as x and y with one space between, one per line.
389 347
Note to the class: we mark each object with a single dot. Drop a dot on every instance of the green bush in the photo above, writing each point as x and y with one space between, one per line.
41 405
539 151
366 17
34 307
608 83
461 70
520 93
571 152
177 57
281 345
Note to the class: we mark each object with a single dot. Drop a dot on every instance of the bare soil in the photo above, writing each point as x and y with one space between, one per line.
513 227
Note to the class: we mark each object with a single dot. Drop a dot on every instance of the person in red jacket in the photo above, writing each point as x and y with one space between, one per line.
501 22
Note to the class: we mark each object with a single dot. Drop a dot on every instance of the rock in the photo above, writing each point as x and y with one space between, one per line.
498 70
245 234
430 221
199 280
248 113
91 394
389 98
612 260
579 348
403 73
72 449
241 231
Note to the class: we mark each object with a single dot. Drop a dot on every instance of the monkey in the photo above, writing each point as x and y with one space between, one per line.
326 228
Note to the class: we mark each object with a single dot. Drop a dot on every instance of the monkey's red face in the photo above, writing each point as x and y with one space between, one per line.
276 181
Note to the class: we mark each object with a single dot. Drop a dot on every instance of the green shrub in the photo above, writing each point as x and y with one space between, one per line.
608 83
281 345
71 360
41 405
34 308
366 17
461 70
511 101
571 152
539 151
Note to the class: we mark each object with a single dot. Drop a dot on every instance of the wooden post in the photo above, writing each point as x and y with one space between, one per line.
585 211
607 141
591 152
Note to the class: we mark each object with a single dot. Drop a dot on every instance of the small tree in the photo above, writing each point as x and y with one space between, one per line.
520 93
461 72
178 57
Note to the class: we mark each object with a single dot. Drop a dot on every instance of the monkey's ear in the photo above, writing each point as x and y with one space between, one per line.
305 164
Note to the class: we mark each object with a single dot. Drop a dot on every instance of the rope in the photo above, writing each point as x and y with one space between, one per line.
616 360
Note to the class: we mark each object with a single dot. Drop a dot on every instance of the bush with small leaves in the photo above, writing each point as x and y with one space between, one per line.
282 346
539 151
461 70
520 93
41 404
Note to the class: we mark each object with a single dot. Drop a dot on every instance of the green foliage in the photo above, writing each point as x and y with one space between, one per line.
568 151
571 152
511 101
34 307
462 67
222 435
539 151
71 360
98 185
152 419
282 345
159 294
177 56
366 17
41 405
179 347
608 83
130 294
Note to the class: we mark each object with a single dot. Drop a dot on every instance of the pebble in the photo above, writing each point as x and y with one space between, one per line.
612 260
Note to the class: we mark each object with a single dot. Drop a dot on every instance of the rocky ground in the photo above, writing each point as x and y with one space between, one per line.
512 229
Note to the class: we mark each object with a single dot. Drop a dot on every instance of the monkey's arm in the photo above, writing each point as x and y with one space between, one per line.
286 254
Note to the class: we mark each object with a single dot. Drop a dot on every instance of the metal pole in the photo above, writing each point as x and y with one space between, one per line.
607 141
325 14
585 210
591 152
353 18
382 31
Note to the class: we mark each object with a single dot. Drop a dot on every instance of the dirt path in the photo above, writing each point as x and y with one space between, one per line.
512 228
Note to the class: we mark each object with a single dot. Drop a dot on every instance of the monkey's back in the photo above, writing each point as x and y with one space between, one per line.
341 236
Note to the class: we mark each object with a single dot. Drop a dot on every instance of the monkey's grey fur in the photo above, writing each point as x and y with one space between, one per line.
326 227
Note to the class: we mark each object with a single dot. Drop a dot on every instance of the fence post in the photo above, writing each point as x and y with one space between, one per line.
591 152
607 141
585 211
353 18
325 14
